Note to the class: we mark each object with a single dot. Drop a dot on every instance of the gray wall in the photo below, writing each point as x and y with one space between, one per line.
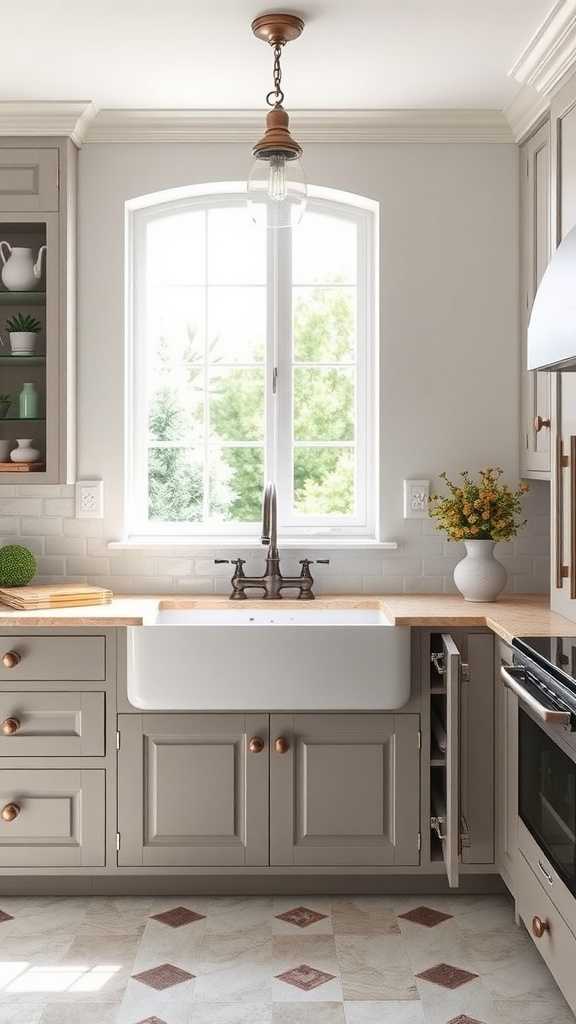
449 354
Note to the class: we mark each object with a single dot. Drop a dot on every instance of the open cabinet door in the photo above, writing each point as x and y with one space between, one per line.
451 833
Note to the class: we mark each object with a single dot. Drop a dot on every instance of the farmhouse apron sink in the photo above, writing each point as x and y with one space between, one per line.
246 659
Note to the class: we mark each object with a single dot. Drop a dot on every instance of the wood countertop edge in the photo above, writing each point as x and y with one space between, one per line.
509 617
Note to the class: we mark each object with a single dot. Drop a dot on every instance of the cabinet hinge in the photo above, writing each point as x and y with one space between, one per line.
419 741
419 841
465 672
117 841
117 739
274 380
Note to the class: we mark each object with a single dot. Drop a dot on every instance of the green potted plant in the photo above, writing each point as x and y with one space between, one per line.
479 512
23 330
5 403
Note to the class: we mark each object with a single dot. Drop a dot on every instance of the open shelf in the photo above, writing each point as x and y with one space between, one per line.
23 419
22 360
22 298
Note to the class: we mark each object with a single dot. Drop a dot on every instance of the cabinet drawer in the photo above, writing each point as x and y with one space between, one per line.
549 879
28 180
557 945
51 818
46 658
50 724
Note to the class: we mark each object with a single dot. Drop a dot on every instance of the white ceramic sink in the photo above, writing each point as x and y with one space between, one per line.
236 659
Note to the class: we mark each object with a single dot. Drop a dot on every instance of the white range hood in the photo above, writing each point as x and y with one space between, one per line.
552 327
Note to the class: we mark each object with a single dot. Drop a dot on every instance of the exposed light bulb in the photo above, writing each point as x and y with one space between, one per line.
277 185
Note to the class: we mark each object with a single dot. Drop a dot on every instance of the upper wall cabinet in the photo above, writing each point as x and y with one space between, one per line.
37 310
534 255
563 150
29 180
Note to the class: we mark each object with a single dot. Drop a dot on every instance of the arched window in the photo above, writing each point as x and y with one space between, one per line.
252 357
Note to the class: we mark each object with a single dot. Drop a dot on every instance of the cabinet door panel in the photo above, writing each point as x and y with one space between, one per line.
190 792
61 819
477 751
28 180
346 791
535 254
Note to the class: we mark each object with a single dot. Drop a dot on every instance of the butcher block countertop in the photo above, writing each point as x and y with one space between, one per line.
510 616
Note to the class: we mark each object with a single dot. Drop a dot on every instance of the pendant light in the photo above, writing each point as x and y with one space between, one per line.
276 185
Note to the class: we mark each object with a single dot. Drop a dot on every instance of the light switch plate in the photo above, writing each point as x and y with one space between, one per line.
416 495
90 499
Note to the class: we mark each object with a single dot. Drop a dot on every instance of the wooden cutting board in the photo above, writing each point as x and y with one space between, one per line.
54 595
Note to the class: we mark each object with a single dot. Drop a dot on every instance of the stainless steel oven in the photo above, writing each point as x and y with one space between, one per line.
542 678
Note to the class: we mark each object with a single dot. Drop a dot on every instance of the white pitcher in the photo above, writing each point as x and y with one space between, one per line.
19 272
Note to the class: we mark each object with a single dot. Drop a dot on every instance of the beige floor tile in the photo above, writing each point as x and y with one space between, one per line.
87 1013
375 968
364 916
18 1014
308 1013
230 1013
389 1012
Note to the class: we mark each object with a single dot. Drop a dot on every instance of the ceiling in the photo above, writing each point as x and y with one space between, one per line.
187 54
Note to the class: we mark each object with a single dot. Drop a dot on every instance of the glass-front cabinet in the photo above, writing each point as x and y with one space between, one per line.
36 312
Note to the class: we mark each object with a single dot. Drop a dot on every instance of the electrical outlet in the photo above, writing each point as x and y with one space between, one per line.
90 499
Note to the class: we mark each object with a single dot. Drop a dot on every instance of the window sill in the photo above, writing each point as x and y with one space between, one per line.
240 544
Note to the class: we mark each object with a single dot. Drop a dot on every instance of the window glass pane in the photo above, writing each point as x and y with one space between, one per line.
236 400
236 482
175 249
176 414
175 340
175 487
323 404
324 325
324 481
324 250
236 248
236 325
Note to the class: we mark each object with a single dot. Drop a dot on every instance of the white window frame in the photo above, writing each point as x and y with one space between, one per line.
278 447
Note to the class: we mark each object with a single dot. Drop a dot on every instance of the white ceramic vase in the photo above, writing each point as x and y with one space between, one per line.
480 576
24 452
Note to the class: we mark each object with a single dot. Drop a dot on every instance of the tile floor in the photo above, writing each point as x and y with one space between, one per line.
199 960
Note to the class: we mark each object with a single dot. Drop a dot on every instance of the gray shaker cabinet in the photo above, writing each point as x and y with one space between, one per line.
193 790
344 790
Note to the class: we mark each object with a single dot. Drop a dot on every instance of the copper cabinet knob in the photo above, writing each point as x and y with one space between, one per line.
281 745
9 812
539 927
11 659
539 423
10 726
256 745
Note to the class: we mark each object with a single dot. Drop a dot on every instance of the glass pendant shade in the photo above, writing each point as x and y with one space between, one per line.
276 191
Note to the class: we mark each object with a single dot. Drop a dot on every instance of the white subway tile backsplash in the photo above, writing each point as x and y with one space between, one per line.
41 526
59 507
42 518
20 506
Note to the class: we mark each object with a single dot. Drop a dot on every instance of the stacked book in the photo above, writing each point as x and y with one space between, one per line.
66 595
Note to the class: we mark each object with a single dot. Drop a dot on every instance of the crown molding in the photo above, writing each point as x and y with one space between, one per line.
321 126
70 118
526 111
551 52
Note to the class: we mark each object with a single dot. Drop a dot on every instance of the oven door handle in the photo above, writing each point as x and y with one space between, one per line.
512 678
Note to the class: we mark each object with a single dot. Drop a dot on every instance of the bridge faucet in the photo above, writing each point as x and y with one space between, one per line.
272 582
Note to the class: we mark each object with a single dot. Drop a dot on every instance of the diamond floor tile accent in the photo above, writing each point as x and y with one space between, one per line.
447 976
301 916
164 976
305 977
426 916
463 1019
5 917
152 1020
178 916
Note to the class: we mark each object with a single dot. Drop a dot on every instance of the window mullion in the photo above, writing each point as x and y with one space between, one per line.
284 390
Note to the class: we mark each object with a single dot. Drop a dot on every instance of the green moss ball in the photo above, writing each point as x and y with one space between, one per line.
17 566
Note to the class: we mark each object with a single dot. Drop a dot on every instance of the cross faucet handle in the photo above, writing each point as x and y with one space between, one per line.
238 562
307 562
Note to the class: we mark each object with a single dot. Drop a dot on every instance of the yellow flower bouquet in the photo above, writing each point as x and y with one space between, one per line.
482 509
